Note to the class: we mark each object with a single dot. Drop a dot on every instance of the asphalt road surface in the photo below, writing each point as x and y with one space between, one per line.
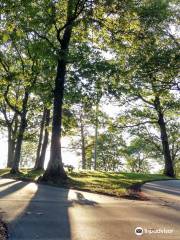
42 212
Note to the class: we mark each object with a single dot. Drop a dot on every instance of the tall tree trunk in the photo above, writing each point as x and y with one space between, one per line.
21 130
96 139
12 136
40 163
40 138
168 169
83 150
11 148
55 170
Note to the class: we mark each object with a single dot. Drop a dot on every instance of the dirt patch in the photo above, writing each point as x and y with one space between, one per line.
3 231
135 193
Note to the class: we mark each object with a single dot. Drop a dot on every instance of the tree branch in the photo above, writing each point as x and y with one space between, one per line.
42 37
8 102
71 19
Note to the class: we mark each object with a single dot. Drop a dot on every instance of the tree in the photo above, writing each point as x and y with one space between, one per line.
55 168
109 147
152 69
138 155
10 121
92 50
40 158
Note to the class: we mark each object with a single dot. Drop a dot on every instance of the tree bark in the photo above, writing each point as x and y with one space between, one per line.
168 169
40 138
55 168
83 149
21 130
96 139
40 163
11 125
11 148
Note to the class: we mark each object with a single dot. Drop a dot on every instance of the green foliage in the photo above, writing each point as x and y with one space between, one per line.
109 151
123 50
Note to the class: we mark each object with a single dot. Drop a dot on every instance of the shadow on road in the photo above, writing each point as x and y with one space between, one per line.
12 188
8 183
81 200
45 216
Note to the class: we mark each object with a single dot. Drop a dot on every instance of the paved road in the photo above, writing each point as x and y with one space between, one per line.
47 213
164 192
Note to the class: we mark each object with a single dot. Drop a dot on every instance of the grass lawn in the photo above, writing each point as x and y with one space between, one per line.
116 184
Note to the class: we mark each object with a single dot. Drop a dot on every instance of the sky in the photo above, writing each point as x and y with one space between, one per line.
69 157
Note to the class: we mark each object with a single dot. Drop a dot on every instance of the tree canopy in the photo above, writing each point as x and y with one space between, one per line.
63 62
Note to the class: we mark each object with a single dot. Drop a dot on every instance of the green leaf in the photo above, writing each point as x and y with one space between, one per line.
5 38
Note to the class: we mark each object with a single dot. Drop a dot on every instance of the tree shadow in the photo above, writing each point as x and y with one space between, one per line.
45 216
81 200
5 184
17 185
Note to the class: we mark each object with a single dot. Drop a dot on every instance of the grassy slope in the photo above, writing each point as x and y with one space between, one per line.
115 184
111 183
